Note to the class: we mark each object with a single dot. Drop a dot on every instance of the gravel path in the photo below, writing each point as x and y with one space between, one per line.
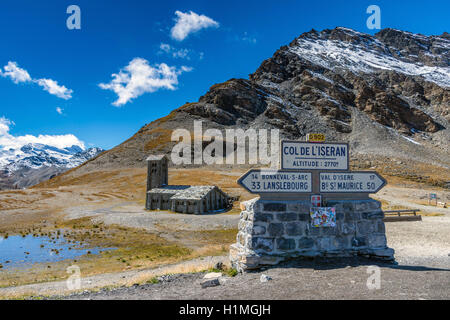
130 214
110 279
345 279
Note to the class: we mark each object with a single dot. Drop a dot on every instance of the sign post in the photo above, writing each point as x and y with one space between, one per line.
432 196
353 182
273 181
313 195
297 155
312 169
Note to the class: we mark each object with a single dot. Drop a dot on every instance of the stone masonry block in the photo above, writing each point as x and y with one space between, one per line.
374 205
352 216
336 204
378 214
274 207
343 242
381 227
365 227
265 217
241 238
347 228
276 229
339 215
265 244
348 206
361 206
295 228
285 244
326 244
329 231
293 207
359 242
259 230
313 231
305 243
304 208
255 206
299 207
304 217
376 240
288 216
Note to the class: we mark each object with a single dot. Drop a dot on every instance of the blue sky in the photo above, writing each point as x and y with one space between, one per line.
232 44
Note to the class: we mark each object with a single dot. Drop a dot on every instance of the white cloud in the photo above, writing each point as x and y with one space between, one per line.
52 87
59 110
165 47
4 125
18 75
15 73
139 77
174 52
187 23
247 38
179 53
8 141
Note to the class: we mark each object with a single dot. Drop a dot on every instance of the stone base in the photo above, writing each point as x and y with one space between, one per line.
270 232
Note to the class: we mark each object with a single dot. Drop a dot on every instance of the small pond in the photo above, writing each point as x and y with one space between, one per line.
19 251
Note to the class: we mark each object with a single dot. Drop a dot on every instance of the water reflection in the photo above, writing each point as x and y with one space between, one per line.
17 251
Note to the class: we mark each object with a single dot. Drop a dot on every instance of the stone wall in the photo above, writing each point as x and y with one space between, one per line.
272 231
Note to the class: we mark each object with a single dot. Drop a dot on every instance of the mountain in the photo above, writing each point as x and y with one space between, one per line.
34 162
387 95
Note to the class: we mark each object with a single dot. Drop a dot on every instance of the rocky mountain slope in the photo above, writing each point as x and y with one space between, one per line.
388 95
33 163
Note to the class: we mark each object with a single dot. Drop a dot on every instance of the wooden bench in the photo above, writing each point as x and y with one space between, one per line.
402 215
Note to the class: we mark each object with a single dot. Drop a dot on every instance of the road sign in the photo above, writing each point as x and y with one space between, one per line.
315 137
297 155
351 182
274 181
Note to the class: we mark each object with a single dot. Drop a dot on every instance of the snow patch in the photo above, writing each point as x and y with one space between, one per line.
411 140
367 56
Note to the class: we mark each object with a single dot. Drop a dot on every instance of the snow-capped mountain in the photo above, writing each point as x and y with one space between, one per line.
31 160
387 95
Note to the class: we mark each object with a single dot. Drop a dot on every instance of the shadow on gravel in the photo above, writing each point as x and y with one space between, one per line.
320 263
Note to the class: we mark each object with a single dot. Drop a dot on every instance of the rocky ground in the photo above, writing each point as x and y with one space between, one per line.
422 271
322 279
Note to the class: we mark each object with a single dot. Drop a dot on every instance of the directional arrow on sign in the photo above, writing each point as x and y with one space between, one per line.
351 182
276 181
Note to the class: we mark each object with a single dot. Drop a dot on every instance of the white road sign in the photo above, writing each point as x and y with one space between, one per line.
296 155
273 181
351 182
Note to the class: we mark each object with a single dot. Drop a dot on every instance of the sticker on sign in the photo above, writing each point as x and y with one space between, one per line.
351 182
274 181
296 155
